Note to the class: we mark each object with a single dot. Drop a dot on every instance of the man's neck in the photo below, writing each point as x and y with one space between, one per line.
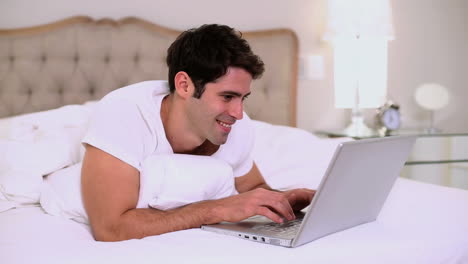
205 149
176 127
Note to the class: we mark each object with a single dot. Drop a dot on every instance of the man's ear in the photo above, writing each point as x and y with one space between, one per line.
183 85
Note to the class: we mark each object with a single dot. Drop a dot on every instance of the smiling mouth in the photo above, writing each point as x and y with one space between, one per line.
224 124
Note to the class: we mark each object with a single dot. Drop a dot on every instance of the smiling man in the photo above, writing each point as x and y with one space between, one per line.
199 111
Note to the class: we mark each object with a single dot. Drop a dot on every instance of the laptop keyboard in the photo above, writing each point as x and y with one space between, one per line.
287 228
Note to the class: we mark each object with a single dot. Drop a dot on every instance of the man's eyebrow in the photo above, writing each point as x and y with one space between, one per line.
236 94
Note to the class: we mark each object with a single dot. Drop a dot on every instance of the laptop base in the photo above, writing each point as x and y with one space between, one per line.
252 237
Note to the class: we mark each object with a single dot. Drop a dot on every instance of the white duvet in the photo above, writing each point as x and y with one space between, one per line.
40 156
420 223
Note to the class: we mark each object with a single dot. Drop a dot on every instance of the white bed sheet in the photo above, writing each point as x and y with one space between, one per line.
420 223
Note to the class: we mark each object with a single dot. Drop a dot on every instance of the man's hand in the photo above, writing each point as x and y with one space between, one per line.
299 198
272 204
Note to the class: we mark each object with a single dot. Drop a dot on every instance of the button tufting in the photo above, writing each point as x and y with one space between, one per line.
106 59
12 59
265 90
136 58
43 58
91 90
76 58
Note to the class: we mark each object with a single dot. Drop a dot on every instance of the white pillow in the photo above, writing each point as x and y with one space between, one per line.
170 181
290 157
166 181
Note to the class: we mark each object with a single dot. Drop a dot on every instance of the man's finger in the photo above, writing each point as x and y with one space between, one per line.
270 214
279 203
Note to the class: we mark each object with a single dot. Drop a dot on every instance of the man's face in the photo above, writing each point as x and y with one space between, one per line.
220 106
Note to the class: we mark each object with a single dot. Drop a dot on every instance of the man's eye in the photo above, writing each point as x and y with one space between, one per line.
227 98
245 97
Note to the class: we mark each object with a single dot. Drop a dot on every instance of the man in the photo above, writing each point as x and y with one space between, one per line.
201 113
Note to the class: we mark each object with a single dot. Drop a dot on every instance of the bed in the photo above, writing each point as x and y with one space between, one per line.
50 77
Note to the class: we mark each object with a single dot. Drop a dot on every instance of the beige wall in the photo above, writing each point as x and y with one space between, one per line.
429 46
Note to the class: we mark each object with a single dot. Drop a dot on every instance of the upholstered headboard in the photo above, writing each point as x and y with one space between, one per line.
80 59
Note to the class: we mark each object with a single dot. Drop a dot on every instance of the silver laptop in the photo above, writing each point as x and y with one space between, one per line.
352 192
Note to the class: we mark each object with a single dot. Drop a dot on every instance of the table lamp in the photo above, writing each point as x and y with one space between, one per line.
432 97
359 31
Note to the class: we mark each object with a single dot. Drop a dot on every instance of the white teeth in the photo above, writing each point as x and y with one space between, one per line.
224 124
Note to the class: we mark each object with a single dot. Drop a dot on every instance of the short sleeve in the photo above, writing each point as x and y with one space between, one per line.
118 127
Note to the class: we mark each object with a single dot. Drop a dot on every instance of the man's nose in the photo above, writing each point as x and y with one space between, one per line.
237 110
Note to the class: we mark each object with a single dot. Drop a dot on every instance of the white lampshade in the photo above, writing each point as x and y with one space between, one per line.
359 31
431 96
372 18
362 64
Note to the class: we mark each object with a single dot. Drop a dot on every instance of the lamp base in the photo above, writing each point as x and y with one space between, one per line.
432 129
358 128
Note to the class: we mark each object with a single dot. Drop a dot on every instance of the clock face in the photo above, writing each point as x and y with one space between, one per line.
391 119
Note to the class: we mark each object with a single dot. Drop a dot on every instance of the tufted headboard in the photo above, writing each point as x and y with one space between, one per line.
81 59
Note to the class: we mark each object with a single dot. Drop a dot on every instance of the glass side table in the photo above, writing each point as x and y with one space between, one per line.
438 158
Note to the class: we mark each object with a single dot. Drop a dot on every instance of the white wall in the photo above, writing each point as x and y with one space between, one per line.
429 43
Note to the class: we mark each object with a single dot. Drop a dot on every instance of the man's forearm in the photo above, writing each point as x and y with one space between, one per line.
252 180
142 222
139 223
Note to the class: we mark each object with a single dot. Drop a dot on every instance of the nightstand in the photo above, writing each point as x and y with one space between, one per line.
439 158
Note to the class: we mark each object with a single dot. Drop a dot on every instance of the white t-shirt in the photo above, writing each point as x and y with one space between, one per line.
127 124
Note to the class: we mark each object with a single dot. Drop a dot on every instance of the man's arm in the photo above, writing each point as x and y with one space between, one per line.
252 180
110 190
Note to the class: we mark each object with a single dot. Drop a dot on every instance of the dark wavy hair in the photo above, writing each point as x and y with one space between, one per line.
205 53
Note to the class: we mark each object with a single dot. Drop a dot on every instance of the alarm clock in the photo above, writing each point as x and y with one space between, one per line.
388 118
